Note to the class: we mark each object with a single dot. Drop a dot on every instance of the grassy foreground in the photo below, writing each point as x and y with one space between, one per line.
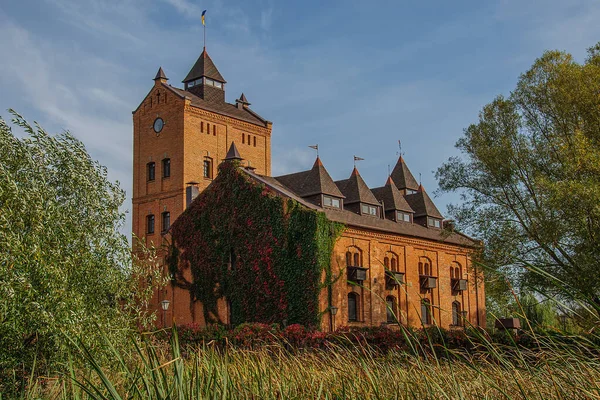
157 370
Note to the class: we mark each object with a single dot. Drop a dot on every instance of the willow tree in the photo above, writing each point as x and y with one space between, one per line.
66 272
530 178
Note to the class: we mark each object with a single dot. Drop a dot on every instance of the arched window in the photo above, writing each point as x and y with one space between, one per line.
150 224
166 167
451 272
348 259
427 269
353 257
456 313
426 312
151 171
457 273
420 268
391 309
166 221
357 260
394 264
353 303
386 262
207 167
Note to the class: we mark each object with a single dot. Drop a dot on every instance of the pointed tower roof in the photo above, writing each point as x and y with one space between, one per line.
422 204
356 190
204 66
309 183
392 197
233 153
243 99
161 75
402 176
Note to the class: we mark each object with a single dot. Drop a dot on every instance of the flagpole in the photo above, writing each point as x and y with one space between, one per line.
204 26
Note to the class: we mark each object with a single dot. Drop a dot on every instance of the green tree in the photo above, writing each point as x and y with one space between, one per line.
530 178
65 270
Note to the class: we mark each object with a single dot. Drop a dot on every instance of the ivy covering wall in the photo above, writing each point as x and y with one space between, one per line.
266 254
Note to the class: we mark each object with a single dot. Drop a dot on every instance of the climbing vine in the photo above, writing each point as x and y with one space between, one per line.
265 253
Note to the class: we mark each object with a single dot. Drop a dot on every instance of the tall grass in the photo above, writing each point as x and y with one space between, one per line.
158 370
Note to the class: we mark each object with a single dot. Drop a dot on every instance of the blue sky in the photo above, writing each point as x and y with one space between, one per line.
353 76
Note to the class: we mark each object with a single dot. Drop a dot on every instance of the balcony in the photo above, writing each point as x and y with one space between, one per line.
393 279
459 285
357 274
428 282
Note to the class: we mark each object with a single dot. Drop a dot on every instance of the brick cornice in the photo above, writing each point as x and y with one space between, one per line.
255 129
405 240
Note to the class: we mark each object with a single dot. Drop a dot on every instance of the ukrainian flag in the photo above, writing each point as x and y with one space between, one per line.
203 12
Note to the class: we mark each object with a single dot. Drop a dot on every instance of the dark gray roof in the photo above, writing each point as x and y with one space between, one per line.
233 153
309 183
160 74
402 176
230 110
392 197
367 222
422 204
243 99
356 190
204 66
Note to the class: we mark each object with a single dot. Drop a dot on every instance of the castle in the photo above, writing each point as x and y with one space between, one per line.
393 260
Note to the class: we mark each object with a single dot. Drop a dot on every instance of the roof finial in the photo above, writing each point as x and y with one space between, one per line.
399 148
357 159
315 147
204 25
420 184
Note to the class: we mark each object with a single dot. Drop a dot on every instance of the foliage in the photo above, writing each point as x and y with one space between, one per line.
530 179
263 253
65 271
557 369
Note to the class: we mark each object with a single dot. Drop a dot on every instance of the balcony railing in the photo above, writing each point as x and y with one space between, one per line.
428 282
459 285
393 279
357 274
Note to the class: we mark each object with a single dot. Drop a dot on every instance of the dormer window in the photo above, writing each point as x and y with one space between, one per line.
333 202
369 209
212 82
434 222
402 216
194 83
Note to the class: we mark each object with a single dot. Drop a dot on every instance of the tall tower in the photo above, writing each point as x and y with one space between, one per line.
179 138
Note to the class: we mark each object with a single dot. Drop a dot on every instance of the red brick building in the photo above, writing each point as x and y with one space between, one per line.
397 254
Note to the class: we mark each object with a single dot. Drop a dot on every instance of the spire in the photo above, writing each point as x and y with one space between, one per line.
356 190
392 197
242 102
402 176
312 182
233 153
204 67
160 75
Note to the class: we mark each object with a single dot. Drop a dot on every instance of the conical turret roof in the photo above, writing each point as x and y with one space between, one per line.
402 176
392 197
204 66
233 153
309 183
356 190
161 74
422 204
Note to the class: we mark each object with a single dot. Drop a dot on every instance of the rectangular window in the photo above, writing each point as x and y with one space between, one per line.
151 167
166 221
243 138
202 127
166 164
208 169
207 128
218 84
254 141
434 222
214 130
329 201
403 216
150 224
369 210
